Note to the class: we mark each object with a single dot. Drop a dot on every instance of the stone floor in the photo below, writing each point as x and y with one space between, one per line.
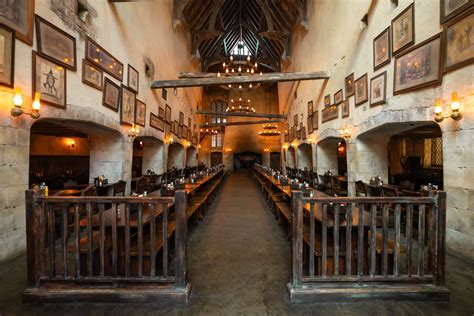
239 265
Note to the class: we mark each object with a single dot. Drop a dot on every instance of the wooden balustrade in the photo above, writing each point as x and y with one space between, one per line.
368 247
79 250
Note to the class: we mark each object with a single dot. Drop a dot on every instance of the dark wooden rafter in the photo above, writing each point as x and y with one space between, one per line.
240 114
240 123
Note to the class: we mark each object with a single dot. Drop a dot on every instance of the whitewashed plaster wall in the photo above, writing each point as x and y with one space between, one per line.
336 42
129 31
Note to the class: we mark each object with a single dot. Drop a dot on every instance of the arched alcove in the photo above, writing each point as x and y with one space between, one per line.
331 155
246 159
147 155
191 156
275 160
305 157
216 158
291 158
175 156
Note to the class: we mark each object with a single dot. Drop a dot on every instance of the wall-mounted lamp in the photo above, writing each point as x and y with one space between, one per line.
228 150
71 143
293 145
199 146
134 131
455 111
285 146
266 150
345 133
17 109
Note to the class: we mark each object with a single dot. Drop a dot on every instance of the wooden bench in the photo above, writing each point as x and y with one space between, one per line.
283 210
390 251
318 252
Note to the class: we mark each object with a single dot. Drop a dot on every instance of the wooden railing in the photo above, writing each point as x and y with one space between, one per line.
367 247
106 248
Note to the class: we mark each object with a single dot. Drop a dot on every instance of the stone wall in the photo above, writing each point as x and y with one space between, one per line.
337 42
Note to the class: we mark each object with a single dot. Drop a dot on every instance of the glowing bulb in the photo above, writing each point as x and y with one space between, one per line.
250 85
36 103
240 69
240 86
252 71
231 57
455 102
218 74
438 109
230 86
18 99
227 70
223 64
248 57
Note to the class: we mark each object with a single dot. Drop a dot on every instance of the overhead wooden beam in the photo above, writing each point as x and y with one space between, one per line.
264 78
241 123
216 113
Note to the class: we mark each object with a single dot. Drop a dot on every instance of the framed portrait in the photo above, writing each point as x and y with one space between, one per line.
49 79
181 118
189 123
338 97
156 122
418 67
303 133
298 134
180 131
56 44
345 108
287 138
301 126
7 56
92 75
458 42
295 120
361 95
310 124
111 95
103 59
349 85
327 100
378 87
167 128
19 15
450 8
140 113
176 128
168 113
132 78
128 104
164 94
310 108
329 113
382 54
161 113
185 132
403 29
315 120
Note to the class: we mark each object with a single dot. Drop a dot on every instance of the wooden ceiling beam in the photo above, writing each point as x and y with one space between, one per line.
178 15
241 123
264 78
226 114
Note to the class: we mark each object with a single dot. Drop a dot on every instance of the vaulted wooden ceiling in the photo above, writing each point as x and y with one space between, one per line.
265 27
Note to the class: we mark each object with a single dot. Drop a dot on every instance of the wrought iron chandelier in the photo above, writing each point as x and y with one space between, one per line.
270 130
240 106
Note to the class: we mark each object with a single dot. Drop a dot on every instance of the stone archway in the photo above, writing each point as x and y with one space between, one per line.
305 157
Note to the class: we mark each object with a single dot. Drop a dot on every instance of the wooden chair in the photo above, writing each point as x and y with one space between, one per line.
142 185
119 188
360 188
89 191
389 191
407 185
373 190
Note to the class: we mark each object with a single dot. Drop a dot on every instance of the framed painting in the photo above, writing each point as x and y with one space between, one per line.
168 113
301 126
92 75
287 138
56 44
111 95
19 15
403 29
140 113
190 123
103 59
382 54
156 122
181 118
349 85
345 108
167 128
298 134
327 100
49 79
7 56
295 120
378 87
361 95
161 113
451 8
185 132
315 120
458 42
164 94
180 131
329 113
303 133
310 108
418 67
128 104
310 124
176 128
338 97
132 78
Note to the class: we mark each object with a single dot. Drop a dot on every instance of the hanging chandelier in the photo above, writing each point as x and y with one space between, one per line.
269 130
240 106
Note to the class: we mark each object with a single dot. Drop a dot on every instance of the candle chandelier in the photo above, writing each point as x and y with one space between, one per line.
240 105
269 130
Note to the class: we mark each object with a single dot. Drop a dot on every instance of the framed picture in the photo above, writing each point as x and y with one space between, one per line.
403 29
132 78
7 56
327 100
298 134
128 104
140 113
338 97
329 113
378 87
180 131
176 128
458 42
310 108
450 8
349 85
161 113
361 95
103 59
287 138
418 67
49 79
310 124
295 120
303 133
56 44
345 108
111 95
315 120
181 118
185 132
18 15
168 113
164 94
189 123
382 54
92 75
167 128
301 126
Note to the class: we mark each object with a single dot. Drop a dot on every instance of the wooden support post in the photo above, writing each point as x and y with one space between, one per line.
297 239
33 251
180 238
439 251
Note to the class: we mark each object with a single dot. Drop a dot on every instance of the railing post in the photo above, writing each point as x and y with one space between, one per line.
297 239
180 238
33 251
438 252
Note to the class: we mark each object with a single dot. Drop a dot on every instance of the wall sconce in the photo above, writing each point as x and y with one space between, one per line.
293 145
310 140
228 150
17 109
345 133
266 150
285 146
455 112
199 146
170 140
71 143
134 131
